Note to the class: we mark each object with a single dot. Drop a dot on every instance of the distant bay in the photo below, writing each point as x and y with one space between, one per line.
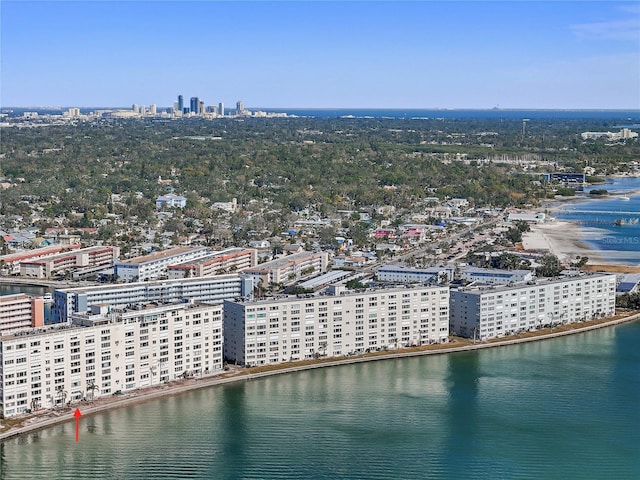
611 225
559 409
626 117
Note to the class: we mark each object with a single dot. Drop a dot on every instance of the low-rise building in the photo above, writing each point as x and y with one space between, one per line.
293 328
492 276
226 261
213 290
154 265
20 311
106 351
402 274
171 200
290 269
492 312
12 261
46 267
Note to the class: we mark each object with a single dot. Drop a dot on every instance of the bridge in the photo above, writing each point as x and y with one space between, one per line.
608 212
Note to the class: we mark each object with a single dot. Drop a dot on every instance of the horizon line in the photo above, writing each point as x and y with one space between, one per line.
566 109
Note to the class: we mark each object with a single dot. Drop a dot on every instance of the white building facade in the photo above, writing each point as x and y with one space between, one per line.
400 273
492 312
154 265
291 328
213 290
491 276
225 261
290 268
117 350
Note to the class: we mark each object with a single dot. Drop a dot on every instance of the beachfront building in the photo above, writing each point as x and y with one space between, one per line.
11 262
491 312
20 311
491 276
290 269
226 261
106 351
284 329
48 266
213 290
399 273
154 265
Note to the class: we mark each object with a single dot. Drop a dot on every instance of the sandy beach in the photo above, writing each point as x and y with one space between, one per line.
561 239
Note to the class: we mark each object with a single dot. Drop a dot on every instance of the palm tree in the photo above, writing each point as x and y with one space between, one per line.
61 394
92 387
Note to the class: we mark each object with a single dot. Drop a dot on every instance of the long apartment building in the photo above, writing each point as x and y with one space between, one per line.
117 350
154 265
400 273
290 269
296 328
491 312
12 261
214 290
46 267
226 261
492 276
20 311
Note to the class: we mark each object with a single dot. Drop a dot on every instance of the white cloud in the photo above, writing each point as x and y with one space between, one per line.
625 30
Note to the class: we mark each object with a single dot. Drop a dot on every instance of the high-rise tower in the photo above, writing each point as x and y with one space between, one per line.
195 105
180 103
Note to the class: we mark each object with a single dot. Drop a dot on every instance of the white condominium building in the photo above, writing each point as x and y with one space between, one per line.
295 328
490 312
106 351
290 269
215 289
226 261
154 265
492 276
400 273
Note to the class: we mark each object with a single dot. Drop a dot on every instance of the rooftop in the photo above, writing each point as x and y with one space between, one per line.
533 283
163 254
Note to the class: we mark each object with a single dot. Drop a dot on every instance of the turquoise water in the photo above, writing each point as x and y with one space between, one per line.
620 243
567 408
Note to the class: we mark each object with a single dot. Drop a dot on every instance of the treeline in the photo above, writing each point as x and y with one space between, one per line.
294 162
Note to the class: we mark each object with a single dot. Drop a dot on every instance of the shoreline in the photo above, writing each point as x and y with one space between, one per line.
565 238
50 418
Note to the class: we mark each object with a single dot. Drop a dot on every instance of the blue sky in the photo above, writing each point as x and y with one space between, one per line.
477 54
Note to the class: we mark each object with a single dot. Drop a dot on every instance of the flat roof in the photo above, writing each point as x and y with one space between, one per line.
154 283
531 284
296 257
214 257
349 293
162 254
329 277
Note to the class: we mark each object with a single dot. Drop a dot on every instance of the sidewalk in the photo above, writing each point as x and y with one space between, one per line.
48 418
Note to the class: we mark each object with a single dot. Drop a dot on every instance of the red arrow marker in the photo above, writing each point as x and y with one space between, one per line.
77 414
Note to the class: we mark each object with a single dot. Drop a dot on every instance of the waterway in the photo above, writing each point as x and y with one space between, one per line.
611 225
559 409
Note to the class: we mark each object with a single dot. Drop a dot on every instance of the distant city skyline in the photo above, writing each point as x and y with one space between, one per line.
485 54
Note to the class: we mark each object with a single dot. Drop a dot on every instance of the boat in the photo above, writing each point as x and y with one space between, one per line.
625 198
